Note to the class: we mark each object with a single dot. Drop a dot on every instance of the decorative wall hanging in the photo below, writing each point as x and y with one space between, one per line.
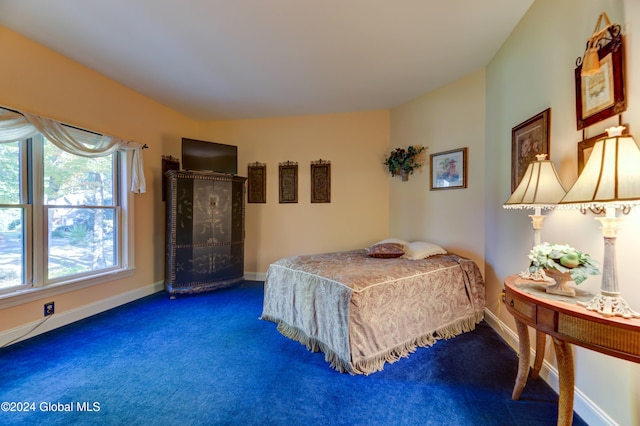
585 147
528 139
402 162
257 183
449 169
168 163
321 181
288 180
599 76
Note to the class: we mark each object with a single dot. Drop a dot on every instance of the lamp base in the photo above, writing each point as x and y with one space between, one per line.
610 305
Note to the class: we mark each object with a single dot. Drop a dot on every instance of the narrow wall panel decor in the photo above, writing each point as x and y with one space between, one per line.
288 181
257 183
321 181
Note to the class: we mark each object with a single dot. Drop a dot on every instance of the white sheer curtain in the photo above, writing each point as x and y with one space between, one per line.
20 125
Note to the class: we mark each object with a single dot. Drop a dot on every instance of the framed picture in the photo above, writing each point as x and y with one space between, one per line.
288 180
601 95
257 183
586 146
528 139
168 163
321 181
449 169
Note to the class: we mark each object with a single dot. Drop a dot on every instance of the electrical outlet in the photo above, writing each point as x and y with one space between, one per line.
49 309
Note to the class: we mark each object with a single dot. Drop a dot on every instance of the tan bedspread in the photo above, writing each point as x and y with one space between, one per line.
363 311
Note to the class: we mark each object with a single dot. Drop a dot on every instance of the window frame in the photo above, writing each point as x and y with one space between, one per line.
37 285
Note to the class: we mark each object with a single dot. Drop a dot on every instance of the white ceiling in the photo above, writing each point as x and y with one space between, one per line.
230 59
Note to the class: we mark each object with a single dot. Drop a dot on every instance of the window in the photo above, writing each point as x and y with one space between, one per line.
62 216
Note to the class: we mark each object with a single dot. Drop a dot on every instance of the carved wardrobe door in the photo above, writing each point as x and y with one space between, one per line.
205 231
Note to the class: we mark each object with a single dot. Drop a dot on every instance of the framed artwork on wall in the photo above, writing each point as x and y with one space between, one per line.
602 95
257 183
288 182
449 169
321 181
528 139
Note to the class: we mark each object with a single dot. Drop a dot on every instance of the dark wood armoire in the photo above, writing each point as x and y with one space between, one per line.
205 231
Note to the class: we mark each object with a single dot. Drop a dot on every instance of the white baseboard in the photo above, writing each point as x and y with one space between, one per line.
57 320
582 404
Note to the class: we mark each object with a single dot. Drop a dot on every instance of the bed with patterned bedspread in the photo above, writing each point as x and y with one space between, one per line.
363 311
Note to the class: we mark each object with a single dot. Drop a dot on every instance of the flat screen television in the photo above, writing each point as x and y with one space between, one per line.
210 156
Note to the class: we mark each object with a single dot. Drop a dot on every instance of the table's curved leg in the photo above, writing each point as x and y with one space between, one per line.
524 352
541 343
567 381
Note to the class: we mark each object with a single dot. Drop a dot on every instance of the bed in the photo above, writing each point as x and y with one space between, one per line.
363 310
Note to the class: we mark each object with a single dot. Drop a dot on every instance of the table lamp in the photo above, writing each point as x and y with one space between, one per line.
540 188
609 181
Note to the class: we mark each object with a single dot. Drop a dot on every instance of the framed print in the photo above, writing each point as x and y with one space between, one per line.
288 181
168 163
449 169
257 183
528 139
601 95
585 147
321 181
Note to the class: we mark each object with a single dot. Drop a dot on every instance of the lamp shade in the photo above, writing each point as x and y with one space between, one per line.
540 187
611 176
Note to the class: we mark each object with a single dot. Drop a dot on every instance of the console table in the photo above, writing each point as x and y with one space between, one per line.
567 323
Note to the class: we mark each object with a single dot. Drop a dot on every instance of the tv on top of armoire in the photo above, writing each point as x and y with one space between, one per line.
205 231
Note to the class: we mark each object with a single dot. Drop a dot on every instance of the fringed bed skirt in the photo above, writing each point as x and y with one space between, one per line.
363 312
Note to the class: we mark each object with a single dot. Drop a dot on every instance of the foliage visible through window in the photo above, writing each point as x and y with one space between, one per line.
11 218
68 204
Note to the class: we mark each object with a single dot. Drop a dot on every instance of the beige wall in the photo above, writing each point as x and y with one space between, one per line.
38 80
448 118
533 71
355 143
46 83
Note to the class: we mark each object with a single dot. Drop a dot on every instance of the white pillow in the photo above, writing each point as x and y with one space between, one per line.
404 243
422 250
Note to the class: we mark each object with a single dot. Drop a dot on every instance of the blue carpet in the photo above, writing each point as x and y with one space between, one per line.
208 360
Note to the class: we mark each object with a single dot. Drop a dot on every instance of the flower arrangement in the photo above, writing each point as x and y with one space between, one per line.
403 161
562 258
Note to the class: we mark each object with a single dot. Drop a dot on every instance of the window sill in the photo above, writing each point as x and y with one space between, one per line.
21 297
